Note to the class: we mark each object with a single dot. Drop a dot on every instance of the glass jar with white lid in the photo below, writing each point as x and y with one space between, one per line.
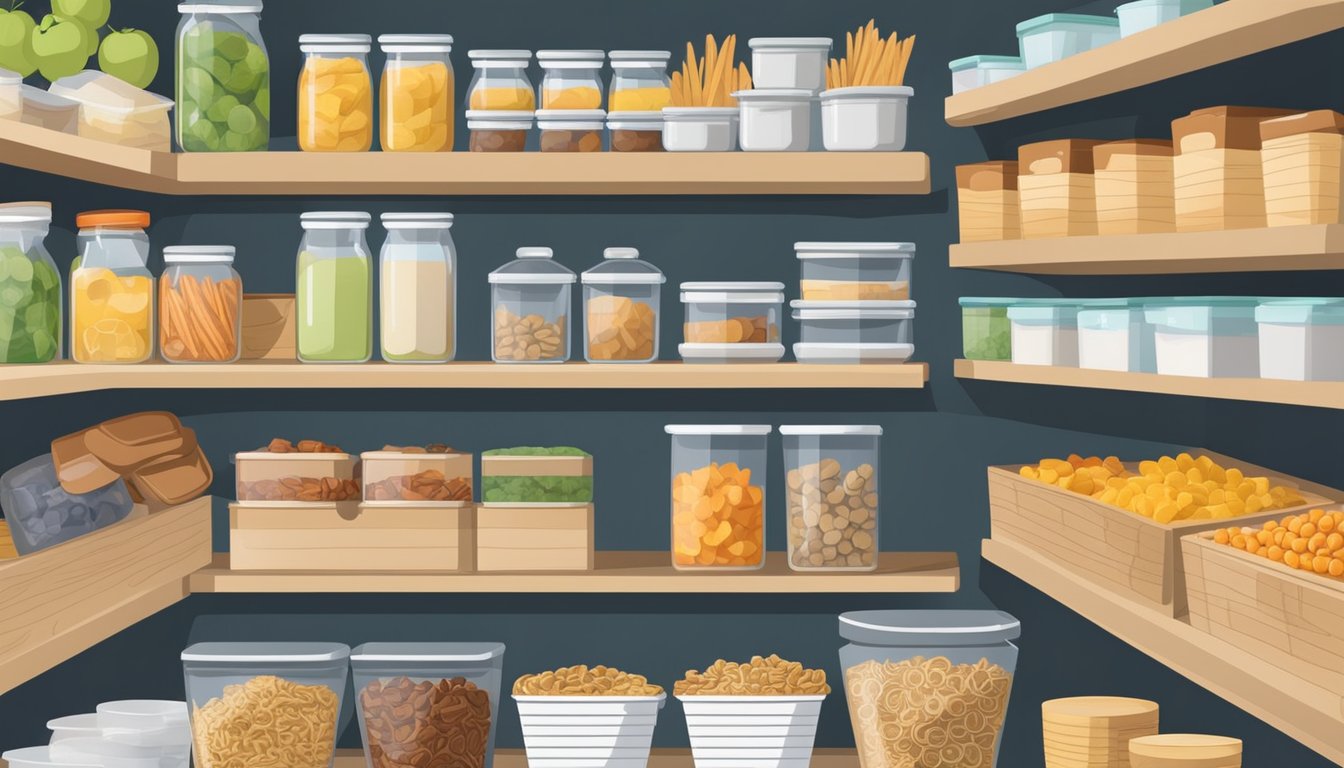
621 298
571 79
223 78
335 94
200 305
30 286
417 94
639 81
418 279
334 288
531 299
500 81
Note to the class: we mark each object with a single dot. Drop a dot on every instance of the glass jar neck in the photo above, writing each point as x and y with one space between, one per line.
427 236
25 238
114 248
345 239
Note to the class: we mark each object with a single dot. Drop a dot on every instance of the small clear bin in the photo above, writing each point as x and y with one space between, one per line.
621 301
47 110
571 79
500 81
639 81
571 130
832 483
854 332
428 703
789 62
974 71
531 296
560 475
732 322
1208 336
1044 332
498 131
41 514
11 95
1301 339
986 333
1146 14
392 475
1113 335
855 271
718 495
312 477
112 110
896 661
870 118
1057 36
635 131
235 688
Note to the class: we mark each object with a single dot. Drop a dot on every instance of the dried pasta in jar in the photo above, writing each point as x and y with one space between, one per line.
267 721
335 94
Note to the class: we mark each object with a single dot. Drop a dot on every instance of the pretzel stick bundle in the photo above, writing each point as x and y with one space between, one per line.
870 60
710 81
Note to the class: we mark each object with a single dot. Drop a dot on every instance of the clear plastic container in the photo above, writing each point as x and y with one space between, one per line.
775 120
112 110
700 129
335 288
237 690
30 286
718 495
986 333
854 332
869 118
428 703
732 322
621 302
112 290
418 96
1057 36
973 72
1045 332
402 476
41 514
789 62
335 94
500 81
1113 335
223 78
898 662
531 298
565 130
498 130
571 79
832 484
1301 339
418 280
41 757
855 271
114 754
142 714
11 95
1146 14
560 475
47 110
639 81
305 477
200 305
1206 336
635 131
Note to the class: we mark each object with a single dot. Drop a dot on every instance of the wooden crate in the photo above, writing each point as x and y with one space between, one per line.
1289 618
1113 547
534 537
350 536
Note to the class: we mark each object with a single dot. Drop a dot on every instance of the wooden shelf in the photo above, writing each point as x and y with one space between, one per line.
616 573
1225 32
465 173
1319 246
660 758
1316 394
21 382
1300 708
61 601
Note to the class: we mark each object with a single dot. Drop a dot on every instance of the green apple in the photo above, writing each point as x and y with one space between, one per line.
16 42
93 13
62 47
131 55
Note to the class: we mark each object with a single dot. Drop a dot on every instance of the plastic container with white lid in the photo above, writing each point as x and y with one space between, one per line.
1056 36
854 332
732 322
964 658
498 130
622 299
1206 336
47 110
40 757
531 298
142 713
11 95
1045 332
112 110
1301 339
700 129
971 72
1145 14
855 271
789 62
709 460
571 79
571 130
777 120
635 131
865 118
639 81
1114 335
500 81
832 532
444 695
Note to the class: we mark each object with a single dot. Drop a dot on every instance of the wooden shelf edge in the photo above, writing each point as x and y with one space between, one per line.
1277 697
659 758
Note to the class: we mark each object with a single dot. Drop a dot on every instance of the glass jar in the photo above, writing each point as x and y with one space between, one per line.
718 495
334 300
832 475
620 302
335 94
112 290
30 286
928 687
200 305
417 93
500 81
564 130
636 131
639 81
223 78
498 130
571 79
531 300
418 269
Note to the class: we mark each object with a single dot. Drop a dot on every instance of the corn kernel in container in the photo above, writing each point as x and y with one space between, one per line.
500 81
335 94
417 93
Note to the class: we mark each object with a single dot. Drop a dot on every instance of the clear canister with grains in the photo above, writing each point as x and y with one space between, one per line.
621 299
832 483
531 299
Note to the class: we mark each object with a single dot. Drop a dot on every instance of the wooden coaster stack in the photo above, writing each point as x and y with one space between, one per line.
1185 750
1094 731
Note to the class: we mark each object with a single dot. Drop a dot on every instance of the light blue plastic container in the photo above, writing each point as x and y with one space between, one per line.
1057 36
1045 332
1146 14
1301 339
1114 335
975 71
1206 336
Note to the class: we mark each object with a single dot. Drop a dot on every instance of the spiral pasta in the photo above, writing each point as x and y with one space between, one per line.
927 713
267 722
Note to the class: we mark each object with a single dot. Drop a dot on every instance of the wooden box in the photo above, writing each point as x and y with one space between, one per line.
1134 187
987 201
1217 173
1291 619
268 327
1056 188
1301 160
1113 547
534 537
349 536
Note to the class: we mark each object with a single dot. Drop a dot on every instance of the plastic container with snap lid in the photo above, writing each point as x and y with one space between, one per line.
563 130
112 290
418 280
855 271
639 81
231 685
442 473
635 131
200 305
700 129
1206 336
30 288
334 299
223 78
42 514
1301 339
1114 335
896 661
621 304
775 120
142 714
725 462
1057 36
296 477
571 79
732 322
500 81
498 130
437 700
986 333
75 727
831 475
531 297
789 62
113 110
47 110
867 118
41 757
11 95
974 71
854 332
1146 14
1045 332
417 99
335 94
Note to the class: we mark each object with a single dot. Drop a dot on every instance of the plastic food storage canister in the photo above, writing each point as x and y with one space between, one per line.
418 280
700 129
112 290
564 130
986 333
498 130
789 62
235 689
621 299
775 120
718 495
334 296
335 94
1045 332
11 95
639 81
417 98
531 296
635 131
262 475
47 110
41 514
732 322
870 118
1210 336
1113 335
41 757
1146 14
974 71
855 271
1056 36
854 332
223 78
390 473
571 79
428 703
30 286
928 687
200 305
1301 339
832 485
116 112
500 81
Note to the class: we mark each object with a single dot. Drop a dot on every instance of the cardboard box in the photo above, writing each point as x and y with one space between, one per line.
1217 174
268 327
1057 189
1134 185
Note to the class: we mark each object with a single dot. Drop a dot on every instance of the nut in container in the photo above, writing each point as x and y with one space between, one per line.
531 296
833 496
431 473
309 471
621 300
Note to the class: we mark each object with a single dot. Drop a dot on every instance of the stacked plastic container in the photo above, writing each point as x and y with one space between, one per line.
782 112
732 322
856 303
120 734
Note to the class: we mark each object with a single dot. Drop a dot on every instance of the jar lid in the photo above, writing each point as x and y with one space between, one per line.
499 120
570 119
853 250
853 310
867 430
335 43
120 219
929 628
792 95
416 43
22 213
732 286
639 58
534 266
791 43
732 293
198 254
42 756
335 220
435 652
499 57
718 429
252 7
986 301
571 59
622 266
635 121
262 653
417 220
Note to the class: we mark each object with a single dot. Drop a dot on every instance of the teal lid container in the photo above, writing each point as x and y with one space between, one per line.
1062 312
1040 23
1219 315
1301 311
985 61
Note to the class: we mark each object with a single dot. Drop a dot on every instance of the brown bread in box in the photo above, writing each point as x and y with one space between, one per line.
1302 157
1134 187
987 201
1217 174
1056 188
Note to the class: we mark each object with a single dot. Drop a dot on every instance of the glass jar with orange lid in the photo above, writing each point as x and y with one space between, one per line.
335 94
417 88
112 290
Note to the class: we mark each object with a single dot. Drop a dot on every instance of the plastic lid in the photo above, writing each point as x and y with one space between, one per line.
854 250
47 99
1066 18
416 43
499 57
571 59
119 219
24 213
88 723
872 430
253 7
732 286
1002 62
929 628
635 121
335 220
103 91
335 43
623 266
853 310
1324 311
499 119
42 756
1202 301
718 429
263 653
804 43
199 254
534 266
639 58
571 119
145 709
427 652
774 94
986 301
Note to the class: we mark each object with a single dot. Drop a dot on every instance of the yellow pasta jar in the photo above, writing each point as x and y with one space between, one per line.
335 94
112 290
416 93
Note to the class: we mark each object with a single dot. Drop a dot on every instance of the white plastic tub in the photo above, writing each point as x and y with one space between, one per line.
974 71
1146 14
732 322
1045 332
40 757
1208 337
588 731
854 332
700 129
789 62
1301 339
865 118
1057 36
109 754
1113 335
775 120
752 731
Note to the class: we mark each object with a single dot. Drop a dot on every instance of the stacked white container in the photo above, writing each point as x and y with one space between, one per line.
1301 339
588 731
752 731
1045 332
1114 335
855 305
782 113
121 734
1206 336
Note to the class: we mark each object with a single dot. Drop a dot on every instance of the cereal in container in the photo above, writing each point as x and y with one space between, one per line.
335 94
112 290
417 93
200 305
718 495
